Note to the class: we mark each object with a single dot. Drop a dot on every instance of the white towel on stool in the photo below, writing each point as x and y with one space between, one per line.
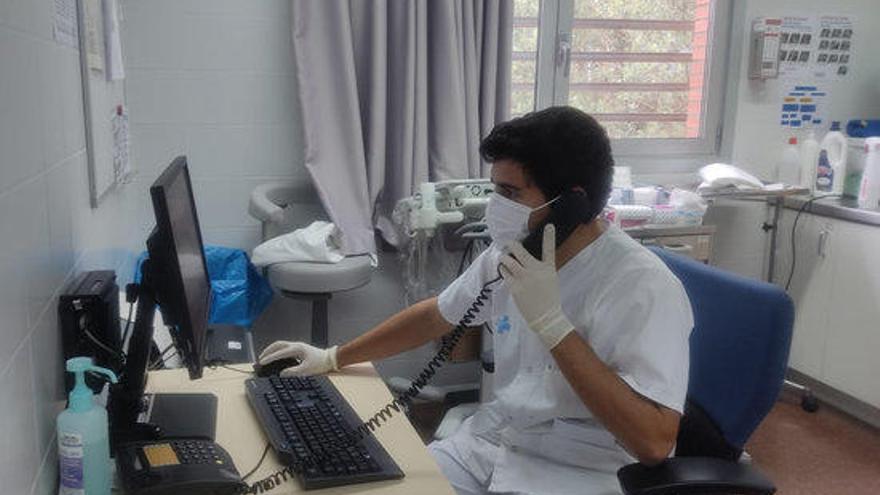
317 243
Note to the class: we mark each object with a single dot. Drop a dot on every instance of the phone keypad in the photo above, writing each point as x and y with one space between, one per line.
196 452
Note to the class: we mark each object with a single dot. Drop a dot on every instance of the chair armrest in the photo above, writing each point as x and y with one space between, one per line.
704 475
267 201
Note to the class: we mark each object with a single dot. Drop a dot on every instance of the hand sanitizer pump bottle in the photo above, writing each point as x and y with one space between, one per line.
83 436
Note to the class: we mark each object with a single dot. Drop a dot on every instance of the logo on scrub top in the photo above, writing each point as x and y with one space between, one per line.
503 325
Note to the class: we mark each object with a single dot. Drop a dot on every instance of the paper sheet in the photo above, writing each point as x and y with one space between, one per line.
121 156
815 48
64 29
834 56
94 35
797 47
112 41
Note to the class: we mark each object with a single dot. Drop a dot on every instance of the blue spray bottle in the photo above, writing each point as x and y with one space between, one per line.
83 436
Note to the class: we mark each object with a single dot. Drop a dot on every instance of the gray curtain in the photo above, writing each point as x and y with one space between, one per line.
395 93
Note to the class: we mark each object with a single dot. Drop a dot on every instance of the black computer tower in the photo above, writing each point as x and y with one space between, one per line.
88 317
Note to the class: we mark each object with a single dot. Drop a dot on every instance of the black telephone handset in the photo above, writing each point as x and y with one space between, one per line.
197 467
566 214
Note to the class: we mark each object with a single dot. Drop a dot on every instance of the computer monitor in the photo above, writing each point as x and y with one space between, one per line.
174 277
181 284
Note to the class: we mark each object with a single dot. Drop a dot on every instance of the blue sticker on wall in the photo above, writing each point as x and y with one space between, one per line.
803 106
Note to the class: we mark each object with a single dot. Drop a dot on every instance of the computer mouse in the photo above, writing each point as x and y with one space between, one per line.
275 367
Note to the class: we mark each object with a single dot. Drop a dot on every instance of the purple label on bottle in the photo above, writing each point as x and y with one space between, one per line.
72 473
70 454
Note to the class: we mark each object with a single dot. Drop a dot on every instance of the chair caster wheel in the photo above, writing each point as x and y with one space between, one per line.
809 403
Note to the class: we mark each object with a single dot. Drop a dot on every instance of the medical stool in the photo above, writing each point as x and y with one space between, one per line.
283 207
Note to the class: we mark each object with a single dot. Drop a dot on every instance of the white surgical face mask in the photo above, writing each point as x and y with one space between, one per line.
508 220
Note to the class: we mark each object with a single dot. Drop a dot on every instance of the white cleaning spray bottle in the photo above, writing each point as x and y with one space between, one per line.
788 170
809 156
831 164
83 436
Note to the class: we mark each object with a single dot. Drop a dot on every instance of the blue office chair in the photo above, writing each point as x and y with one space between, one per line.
739 353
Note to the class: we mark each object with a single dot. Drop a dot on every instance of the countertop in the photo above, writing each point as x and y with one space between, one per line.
840 208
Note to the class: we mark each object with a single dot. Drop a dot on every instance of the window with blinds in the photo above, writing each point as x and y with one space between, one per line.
638 66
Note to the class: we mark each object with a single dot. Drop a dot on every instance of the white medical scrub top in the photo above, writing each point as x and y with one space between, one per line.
635 315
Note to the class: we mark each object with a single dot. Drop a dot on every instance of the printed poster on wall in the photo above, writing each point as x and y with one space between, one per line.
815 48
797 47
834 52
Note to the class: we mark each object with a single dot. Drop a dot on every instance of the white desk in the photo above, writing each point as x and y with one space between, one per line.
239 432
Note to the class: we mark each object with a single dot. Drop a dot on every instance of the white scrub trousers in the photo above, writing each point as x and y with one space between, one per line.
469 463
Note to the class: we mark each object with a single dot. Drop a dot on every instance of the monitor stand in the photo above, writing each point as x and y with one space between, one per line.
182 415
136 417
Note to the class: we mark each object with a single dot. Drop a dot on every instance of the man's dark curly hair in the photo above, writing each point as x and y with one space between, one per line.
560 148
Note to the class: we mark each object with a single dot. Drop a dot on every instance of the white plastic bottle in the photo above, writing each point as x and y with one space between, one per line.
83 437
831 162
788 170
809 155
869 192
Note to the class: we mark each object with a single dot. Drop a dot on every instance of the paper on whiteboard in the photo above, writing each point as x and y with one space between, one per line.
94 35
64 29
112 41
121 146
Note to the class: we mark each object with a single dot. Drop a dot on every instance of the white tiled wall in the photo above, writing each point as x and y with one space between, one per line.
47 233
214 80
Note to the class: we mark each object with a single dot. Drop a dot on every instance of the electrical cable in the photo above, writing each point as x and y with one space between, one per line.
465 256
127 324
384 414
259 463
161 357
221 363
166 358
160 362
115 353
793 236
236 369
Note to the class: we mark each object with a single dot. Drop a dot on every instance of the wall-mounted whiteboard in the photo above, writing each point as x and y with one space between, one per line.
102 95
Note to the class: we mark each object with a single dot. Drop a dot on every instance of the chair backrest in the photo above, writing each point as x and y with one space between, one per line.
739 346
284 206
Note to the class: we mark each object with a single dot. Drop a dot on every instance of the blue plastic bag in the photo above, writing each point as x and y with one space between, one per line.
239 294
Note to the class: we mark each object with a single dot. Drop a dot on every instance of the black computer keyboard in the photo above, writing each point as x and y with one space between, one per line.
307 421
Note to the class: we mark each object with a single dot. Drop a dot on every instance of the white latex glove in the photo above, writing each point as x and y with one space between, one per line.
534 286
313 361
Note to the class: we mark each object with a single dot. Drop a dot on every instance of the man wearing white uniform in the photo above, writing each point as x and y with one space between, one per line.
590 339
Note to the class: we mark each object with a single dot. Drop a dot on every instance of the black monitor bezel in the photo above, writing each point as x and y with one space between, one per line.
168 280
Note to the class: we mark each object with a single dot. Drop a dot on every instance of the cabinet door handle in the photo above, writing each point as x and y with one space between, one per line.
823 241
